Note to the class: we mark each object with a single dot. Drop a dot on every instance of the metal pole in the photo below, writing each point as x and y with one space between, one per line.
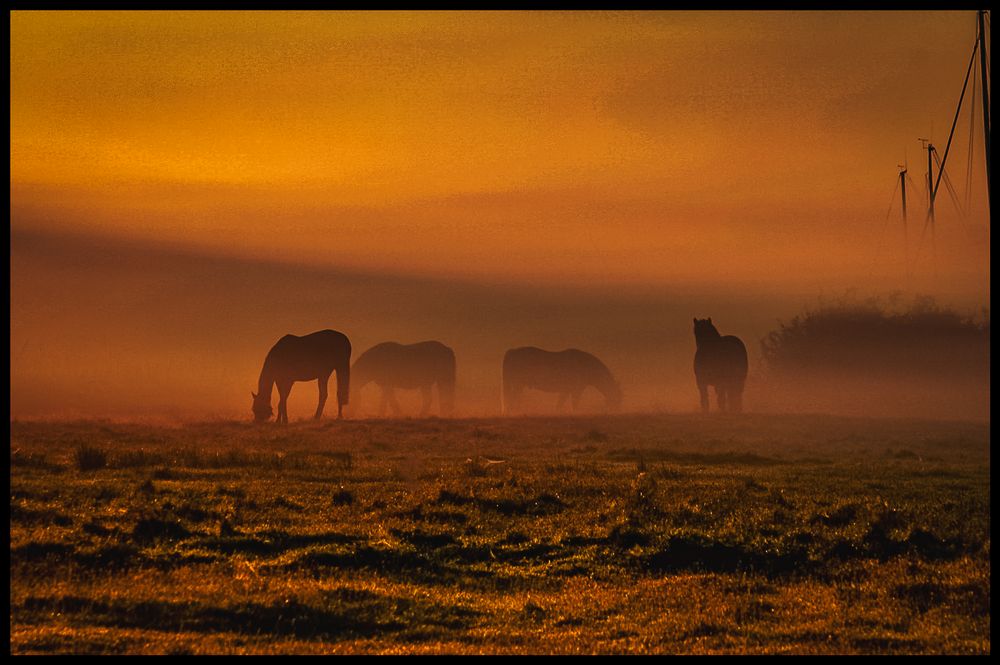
902 182
930 188
930 209
954 122
986 95
906 239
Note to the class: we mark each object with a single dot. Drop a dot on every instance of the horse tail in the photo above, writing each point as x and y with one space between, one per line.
344 383
446 384
504 385
503 390
509 385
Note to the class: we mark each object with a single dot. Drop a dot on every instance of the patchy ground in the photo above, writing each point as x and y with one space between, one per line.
627 534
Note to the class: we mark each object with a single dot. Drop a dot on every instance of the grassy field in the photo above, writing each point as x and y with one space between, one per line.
625 534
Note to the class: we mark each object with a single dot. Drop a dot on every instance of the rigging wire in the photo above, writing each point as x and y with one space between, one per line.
933 187
920 242
988 46
892 200
948 185
880 241
972 142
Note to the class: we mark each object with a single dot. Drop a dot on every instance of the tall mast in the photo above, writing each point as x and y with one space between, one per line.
930 189
929 147
986 95
906 239
902 183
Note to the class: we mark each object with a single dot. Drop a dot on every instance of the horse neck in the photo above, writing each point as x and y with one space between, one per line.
603 381
707 338
361 374
265 382
445 376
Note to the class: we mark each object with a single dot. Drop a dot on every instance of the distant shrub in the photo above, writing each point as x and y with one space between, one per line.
150 529
474 468
32 460
343 458
628 535
135 458
640 503
164 473
89 458
342 498
871 337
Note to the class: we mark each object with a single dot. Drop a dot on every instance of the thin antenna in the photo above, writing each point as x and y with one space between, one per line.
983 61
954 123
925 144
972 140
906 238
929 147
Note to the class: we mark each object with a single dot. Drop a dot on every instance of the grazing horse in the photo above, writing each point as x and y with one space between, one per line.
720 362
408 366
566 372
292 359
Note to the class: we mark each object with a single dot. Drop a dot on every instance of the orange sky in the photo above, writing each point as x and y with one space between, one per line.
186 188
637 147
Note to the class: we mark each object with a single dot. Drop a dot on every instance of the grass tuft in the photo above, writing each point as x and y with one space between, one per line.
90 458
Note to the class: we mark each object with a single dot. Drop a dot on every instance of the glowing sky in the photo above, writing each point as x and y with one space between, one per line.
586 146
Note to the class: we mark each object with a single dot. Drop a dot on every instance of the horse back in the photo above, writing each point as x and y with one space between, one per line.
310 356
408 365
551 371
723 360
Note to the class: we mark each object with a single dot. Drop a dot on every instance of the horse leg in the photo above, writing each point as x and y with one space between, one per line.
384 403
703 392
446 395
283 390
343 388
736 399
428 398
508 397
512 401
323 381
721 389
396 409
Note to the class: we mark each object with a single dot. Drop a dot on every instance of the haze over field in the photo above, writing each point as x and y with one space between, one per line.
186 188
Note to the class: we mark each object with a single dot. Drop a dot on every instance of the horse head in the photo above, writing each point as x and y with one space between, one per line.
703 329
615 396
262 410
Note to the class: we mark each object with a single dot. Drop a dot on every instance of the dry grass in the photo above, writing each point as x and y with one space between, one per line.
630 534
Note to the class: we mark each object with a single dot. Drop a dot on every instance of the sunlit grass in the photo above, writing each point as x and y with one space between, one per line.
630 534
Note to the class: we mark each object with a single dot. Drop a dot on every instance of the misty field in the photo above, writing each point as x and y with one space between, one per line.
612 534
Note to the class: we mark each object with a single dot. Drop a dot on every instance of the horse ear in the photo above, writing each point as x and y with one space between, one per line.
253 394
696 319
709 319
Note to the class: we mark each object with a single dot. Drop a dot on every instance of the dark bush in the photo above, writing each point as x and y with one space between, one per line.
873 358
872 338
343 497
89 458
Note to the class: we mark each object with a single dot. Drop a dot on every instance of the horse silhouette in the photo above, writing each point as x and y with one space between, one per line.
422 365
292 359
567 372
721 362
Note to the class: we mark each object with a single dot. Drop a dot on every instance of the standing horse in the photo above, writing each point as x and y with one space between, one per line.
292 359
567 372
720 362
408 366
